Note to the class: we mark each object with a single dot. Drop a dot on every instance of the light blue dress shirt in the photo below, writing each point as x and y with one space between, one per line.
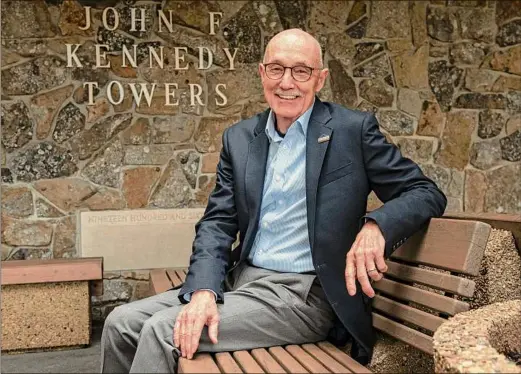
282 242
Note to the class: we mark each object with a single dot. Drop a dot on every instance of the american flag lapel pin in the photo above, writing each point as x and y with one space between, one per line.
324 138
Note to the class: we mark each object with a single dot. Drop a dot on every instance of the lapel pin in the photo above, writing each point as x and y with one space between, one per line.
323 139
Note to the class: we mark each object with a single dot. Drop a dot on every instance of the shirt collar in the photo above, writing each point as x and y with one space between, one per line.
303 121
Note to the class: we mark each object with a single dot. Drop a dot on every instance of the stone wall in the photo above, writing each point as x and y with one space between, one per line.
443 77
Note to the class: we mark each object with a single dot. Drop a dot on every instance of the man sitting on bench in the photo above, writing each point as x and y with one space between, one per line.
293 181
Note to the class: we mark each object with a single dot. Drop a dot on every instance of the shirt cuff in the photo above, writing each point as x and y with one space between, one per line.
188 296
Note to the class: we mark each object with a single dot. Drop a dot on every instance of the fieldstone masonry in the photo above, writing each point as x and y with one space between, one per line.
442 77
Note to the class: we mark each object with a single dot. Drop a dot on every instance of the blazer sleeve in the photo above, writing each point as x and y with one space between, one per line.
410 198
215 233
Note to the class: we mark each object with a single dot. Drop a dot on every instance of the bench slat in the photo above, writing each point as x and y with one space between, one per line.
447 244
429 299
173 277
407 313
306 360
226 363
445 282
410 336
343 358
329 362
266 361
286 360
159 281
56 270
181 274
246 362
201 363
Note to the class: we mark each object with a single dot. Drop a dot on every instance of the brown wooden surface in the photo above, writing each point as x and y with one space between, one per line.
343 358
172 274
286 360
329 362
410 336
226 363
305 359
159 281
266 361
407 313
447 244
201 363
56 270
181 274
247 362
509 222
426 298
445 282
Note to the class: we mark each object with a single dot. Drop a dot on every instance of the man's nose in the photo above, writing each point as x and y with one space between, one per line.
287 79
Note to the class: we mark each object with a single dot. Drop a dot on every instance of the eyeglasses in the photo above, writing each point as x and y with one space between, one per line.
300 73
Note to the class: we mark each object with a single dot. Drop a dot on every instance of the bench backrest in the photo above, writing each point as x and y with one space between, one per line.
427 280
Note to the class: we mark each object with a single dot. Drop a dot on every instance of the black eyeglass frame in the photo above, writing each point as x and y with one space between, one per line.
291 69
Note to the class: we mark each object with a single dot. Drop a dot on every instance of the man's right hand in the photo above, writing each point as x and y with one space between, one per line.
200 311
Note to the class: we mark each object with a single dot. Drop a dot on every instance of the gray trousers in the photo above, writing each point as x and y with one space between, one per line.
261 308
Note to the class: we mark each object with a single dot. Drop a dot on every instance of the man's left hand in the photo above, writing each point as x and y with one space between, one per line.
365 260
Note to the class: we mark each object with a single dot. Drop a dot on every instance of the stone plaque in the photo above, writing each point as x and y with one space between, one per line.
139 239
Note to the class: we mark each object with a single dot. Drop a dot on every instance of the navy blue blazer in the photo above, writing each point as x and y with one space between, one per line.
340 174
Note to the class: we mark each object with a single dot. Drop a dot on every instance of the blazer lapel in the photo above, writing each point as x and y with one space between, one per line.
254 178
315 152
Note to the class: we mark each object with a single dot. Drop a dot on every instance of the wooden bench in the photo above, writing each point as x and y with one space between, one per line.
46 303
426 283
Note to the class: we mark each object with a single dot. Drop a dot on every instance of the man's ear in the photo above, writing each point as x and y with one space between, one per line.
322 79
261 69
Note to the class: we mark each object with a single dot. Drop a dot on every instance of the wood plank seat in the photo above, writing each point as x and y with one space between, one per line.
427 282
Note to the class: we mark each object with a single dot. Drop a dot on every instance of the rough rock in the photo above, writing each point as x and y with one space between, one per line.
18 232
513 124
45 106
209 162
377 92
173 129
243 83
36 75
255 107
17 201
192 14
418 14
357 31
189 162
480 80
477 24
125 20
88 72
419 150
72 17
396 122
169 73
137 185
114 290
410 102
481 101
485 155
24 48
475 190
331 15
506 10
490 124
172 190
511 146
65 238
30 254
292 13
89 141
118 68
342 85
98 110
9 58
358 10
432 119
155 154
17 125
509 34
46 210
43 160
410 68
206 186
66 193
106 199
504 60
341 47
456 138
114 40
507 83
243 32
443 79
69 122
514 102
137 133
81 94
157 105
442 24
376 68
7 177
467 53
208 137
106 167
438 49
23 19
388 21
503 190
365 51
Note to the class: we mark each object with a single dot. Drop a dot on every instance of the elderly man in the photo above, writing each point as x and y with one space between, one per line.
293 181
